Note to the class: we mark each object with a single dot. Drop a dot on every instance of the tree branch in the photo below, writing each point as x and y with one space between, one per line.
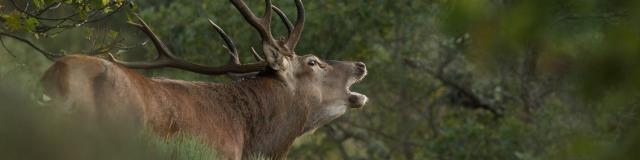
469 98
48 55
67 21
7 49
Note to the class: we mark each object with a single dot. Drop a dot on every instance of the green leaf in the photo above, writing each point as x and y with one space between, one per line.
13 21
38 3
112 34
107 10
105 2
30 24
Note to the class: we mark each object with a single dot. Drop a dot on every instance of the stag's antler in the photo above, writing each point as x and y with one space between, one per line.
263 25
284 19
166 58
273 49
231 47
294 37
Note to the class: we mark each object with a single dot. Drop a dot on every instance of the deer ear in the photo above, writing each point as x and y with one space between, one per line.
276 61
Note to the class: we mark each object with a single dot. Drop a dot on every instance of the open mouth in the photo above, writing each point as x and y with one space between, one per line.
356 100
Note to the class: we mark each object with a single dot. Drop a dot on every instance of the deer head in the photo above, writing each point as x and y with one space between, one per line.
323 86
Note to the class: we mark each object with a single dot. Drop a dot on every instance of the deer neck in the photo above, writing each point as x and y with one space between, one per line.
274 116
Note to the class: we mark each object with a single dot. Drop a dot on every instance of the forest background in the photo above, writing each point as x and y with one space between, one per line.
449 79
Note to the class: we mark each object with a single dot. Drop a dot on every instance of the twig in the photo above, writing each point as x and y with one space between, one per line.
7 49
47 54
51 6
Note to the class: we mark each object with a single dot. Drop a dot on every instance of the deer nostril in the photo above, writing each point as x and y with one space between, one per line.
360 65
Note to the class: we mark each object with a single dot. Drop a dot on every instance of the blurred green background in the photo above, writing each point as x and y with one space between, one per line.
449 79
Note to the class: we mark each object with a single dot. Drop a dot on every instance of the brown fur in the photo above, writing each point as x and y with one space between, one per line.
262 115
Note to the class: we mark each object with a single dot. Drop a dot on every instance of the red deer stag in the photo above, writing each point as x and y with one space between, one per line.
278 98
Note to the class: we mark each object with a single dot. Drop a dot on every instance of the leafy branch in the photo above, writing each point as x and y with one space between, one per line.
37 17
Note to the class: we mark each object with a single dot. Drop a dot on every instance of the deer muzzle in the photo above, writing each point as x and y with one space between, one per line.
357 100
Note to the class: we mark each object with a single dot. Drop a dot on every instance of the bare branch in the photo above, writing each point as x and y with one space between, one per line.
51 6
469 98
6 48
48 55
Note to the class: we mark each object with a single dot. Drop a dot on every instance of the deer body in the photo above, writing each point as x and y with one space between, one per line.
261 115
276 99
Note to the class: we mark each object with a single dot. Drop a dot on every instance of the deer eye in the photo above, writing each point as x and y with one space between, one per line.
312 63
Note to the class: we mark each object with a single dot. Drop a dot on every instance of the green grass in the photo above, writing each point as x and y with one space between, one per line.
180 147
31 131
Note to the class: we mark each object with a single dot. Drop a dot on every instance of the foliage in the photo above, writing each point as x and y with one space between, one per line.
449 79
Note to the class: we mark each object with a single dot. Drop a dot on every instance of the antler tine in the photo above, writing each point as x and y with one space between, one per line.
284 18
293 39
256 55
167 59
260 24
234 58
225 37
162 49
231 47
164 54
267 15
